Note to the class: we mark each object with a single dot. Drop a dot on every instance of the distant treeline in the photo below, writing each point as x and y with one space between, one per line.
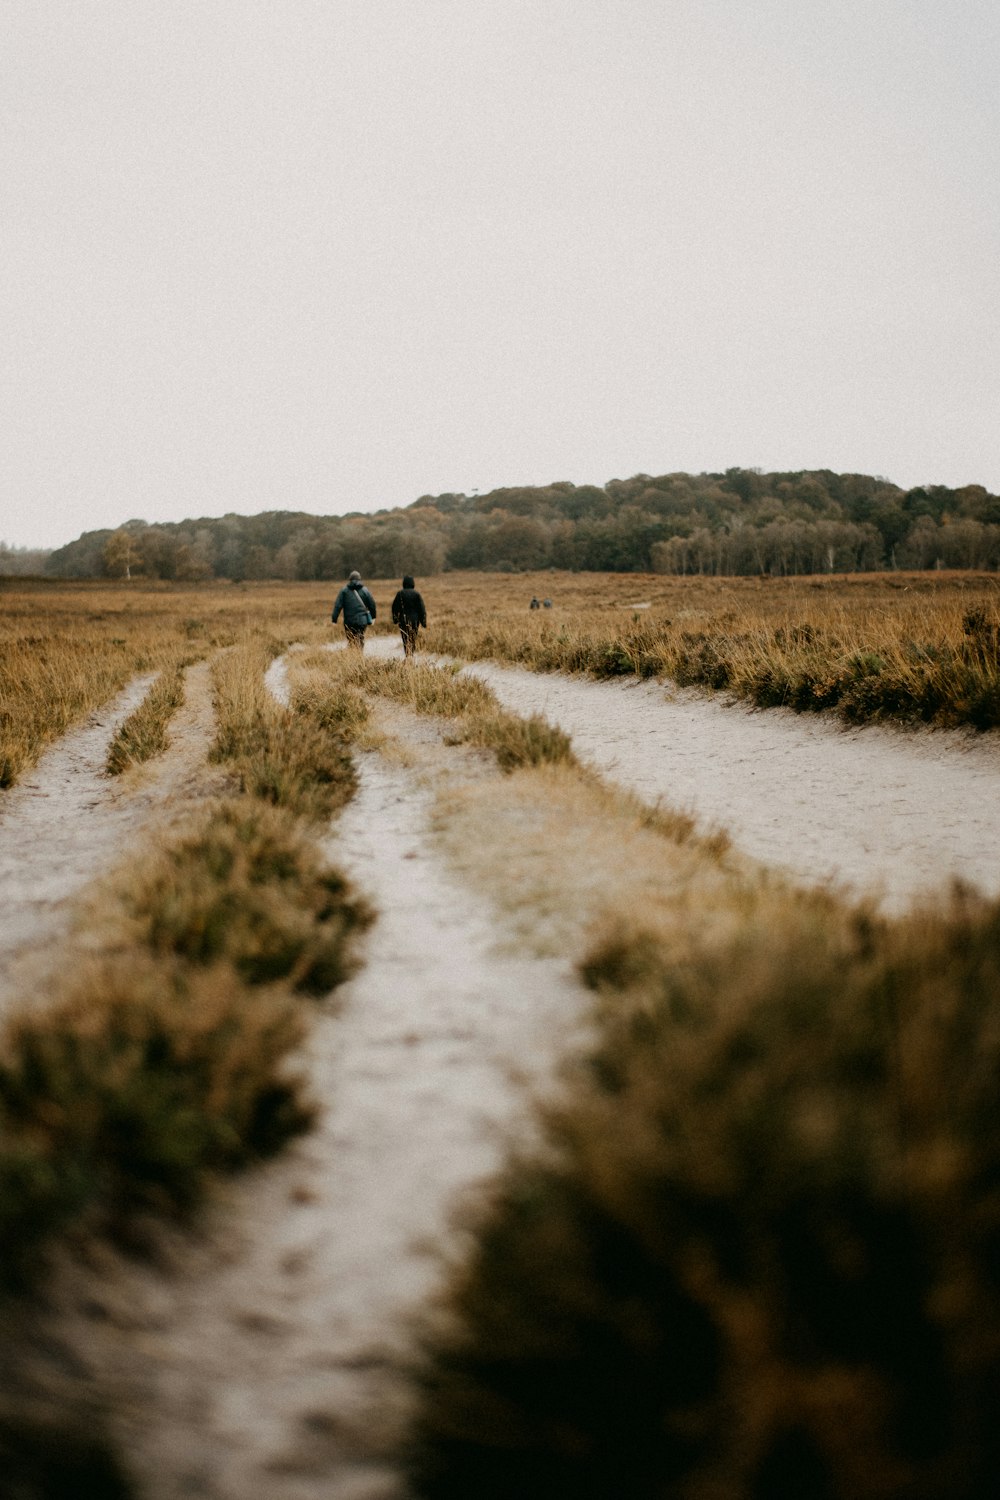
742 521
22 562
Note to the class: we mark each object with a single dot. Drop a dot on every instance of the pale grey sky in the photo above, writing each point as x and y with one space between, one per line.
334 254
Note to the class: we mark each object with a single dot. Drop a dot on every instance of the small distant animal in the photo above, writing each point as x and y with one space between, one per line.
547 603
535 604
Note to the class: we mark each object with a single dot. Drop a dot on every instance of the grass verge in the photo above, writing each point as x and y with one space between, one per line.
136 1084
166 1059
144 733
294 758
516 742
756 1253
246 887
898 647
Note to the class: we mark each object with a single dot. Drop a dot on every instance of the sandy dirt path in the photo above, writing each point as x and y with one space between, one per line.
894 812
267 1355
68 821
64 820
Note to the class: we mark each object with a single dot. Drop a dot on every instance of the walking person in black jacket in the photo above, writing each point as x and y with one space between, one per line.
409 614
359 610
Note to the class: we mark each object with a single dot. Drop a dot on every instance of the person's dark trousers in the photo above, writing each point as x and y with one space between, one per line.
355 636
408 633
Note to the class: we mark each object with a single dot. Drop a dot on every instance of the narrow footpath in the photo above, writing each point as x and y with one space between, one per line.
67 822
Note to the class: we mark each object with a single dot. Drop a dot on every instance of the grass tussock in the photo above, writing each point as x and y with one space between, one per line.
335 705
425 689
43 1457
290 757
134 1086
248 887
757 1254
167 1059
912 647
144 733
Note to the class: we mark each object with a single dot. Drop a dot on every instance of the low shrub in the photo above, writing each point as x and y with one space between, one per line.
125 1093
248 886
144 733
292 759
336 707
521 742
441 690
50 1458
757 1255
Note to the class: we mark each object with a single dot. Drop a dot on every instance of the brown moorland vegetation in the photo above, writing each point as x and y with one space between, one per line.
900 646
165 1057
65 649
756 1253
919 646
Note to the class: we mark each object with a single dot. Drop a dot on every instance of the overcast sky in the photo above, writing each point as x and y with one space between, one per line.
331 255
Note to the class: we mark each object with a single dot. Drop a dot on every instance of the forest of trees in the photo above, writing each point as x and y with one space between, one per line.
22 562
741 521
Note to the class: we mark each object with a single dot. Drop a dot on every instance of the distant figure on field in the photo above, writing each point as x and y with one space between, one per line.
359 610
409 614
535 604
547 603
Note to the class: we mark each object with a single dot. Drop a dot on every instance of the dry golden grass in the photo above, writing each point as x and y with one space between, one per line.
568 857
144 732
755 1253
289 756
473 707
165 1060
868 646
65 649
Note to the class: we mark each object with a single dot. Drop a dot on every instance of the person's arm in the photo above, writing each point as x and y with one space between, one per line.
423 612
396 607
338 602
371 603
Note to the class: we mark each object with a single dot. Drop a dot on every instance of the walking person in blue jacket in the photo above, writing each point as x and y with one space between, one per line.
359 610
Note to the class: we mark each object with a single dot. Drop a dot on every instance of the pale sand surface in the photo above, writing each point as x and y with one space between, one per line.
68 821
270 1361
43 859
898 813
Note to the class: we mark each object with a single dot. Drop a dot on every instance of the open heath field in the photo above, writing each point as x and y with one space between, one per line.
392 1104
893 646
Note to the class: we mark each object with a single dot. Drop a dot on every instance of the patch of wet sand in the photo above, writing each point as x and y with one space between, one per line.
897 813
